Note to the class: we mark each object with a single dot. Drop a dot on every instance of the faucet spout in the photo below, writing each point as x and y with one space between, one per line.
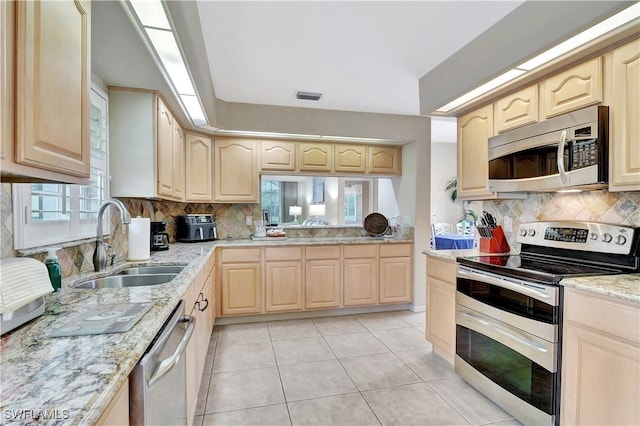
100 254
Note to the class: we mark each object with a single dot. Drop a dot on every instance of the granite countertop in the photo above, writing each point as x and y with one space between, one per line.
625 287
71 380
451 254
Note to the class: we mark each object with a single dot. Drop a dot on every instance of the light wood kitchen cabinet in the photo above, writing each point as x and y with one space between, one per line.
45 56
241 284
395 273
600 360
117 412
350 158
441 306
323 277
144 169
572 89
384 160
283 279
277 156
315 157
236 173
474 131
198 168
360 275
517 110
624 145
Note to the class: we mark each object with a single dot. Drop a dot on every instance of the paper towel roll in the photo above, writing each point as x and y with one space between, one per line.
139 239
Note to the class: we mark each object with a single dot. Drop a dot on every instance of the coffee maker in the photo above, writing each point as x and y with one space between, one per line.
159 236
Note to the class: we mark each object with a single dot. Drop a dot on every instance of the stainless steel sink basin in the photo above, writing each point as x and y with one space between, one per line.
123 281
159 269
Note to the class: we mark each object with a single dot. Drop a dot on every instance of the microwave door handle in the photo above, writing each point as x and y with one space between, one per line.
560 156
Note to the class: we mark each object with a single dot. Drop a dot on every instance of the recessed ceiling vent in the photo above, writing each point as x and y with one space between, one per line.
308 96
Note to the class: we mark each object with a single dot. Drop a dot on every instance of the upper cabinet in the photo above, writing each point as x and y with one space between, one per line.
385 160
350 158
315 157
572 89
236 172
517 110
474 131
46 59
277 156
199 168
624 145
153 166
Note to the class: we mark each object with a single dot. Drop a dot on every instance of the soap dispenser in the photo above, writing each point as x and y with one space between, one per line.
53 266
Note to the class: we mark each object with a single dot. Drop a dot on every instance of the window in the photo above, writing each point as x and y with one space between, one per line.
49 213
271 201
356 201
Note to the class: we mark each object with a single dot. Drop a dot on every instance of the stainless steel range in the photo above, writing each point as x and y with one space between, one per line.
509 310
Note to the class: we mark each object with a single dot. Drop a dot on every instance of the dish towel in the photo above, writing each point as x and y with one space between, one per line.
22 280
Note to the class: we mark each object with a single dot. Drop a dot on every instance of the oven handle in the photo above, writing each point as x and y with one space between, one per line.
560 156
510 285
167 364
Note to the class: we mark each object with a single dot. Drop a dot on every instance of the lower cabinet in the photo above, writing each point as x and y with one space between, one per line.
323 278
117 412
360 275
241 281
441 306
395 273
600 360
283 279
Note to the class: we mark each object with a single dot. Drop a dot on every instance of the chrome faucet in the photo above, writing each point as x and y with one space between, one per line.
100 255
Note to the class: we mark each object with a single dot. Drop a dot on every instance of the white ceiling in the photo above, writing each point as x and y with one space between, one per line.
362 55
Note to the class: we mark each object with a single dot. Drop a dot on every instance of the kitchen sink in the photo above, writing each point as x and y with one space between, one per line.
124 281
146 270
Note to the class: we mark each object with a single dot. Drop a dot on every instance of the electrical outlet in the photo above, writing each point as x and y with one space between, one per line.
507 224
248 220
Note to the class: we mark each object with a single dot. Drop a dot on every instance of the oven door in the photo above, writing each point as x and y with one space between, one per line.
507 343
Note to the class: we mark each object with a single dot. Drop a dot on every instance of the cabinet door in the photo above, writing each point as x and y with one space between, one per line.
474 131
395 279
53 66
165 149
360 281
385 160
283 286
517 109
350 158
441 315
198 168
178 161
624 148
322 284
276 155
315 157
236 171
117 412
241 288
575 88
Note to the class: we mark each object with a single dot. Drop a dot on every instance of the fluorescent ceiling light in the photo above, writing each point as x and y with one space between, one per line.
151 13
192 104
598 30
165 45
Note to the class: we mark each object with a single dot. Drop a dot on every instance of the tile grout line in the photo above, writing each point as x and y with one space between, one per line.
275 359
448 403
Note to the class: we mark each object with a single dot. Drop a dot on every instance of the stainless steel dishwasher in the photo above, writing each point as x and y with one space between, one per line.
157 384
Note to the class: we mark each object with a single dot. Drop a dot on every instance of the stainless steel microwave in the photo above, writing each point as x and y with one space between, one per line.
570 151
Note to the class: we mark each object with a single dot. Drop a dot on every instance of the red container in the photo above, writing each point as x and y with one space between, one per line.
497 244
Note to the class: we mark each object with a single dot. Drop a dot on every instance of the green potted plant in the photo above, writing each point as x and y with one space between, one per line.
467 213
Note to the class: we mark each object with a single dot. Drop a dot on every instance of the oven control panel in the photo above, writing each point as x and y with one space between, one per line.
585 236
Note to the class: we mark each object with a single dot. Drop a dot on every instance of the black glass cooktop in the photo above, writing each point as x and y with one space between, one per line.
542 270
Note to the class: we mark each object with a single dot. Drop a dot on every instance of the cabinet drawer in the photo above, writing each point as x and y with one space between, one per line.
360 251
395 250
442 270
283 253
323 252
241 255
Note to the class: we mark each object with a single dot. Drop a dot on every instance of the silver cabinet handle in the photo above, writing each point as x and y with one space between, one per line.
168 363
560 159
511 285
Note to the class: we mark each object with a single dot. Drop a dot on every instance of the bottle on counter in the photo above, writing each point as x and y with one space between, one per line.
53 266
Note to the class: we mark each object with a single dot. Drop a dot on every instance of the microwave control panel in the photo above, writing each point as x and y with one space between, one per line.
585 153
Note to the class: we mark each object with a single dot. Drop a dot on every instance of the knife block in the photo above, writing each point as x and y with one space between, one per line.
496 244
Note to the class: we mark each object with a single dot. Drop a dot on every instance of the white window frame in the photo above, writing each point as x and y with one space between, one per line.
29 234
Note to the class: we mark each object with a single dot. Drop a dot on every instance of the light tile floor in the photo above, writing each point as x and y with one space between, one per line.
367 369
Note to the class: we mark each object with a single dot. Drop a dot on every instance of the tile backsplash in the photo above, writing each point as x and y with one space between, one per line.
621 208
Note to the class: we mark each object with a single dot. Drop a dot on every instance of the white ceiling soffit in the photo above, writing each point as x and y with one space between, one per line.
444 129
362 56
